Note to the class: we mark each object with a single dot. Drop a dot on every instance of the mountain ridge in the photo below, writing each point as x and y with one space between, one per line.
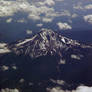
45 41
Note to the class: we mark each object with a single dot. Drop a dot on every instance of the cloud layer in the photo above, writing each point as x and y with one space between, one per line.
78 89
88 18
64 26
45 13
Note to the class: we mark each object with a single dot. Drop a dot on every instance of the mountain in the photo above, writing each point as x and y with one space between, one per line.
42 43
43 61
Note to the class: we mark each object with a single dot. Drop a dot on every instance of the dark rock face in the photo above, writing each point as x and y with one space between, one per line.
35 64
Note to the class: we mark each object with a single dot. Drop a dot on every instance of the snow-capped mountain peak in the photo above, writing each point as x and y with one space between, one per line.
46 41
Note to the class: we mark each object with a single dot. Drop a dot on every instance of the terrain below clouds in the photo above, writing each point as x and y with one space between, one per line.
46 62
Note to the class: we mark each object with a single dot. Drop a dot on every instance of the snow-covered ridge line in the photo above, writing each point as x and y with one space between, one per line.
25 41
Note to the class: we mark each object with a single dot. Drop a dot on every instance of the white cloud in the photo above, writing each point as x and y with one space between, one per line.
50 2
9 20
89 6
47 20
75 57
34 10
4 68
7 9
78 6
47 2
14 67
37 11
39 25
45 29
56 89
9 90
74 15
62 61
34 17
21 80
21 20
65 13
60 82
28 32
83 89
64 26
3 48
88 18
79 89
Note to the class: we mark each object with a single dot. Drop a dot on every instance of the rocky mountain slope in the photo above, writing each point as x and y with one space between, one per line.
42 43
